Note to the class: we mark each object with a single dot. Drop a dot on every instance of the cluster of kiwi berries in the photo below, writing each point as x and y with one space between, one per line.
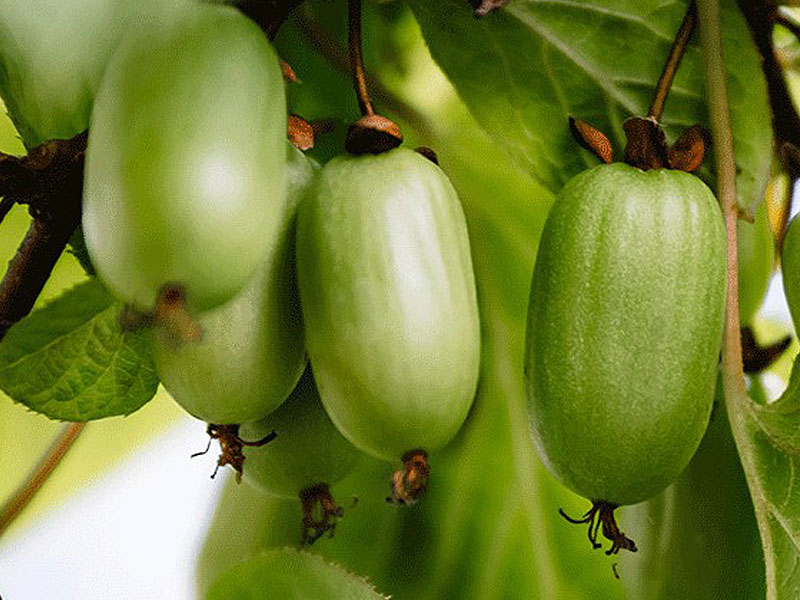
247 259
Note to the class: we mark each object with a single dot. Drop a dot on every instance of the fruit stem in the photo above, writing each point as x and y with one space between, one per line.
320 39
47 464
676 53
732 375
357 57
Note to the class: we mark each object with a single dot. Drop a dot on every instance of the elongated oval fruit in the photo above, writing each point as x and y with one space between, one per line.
389 302
52 57
756 254
186 158
790 268
624 328
252 351
304 460
308 451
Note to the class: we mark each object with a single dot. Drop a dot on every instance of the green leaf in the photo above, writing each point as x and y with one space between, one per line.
70 360
771 455
524 69
290 575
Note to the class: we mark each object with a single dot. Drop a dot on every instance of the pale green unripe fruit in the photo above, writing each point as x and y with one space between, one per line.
389 301
252 352
308 451
53 54
185 158
624 329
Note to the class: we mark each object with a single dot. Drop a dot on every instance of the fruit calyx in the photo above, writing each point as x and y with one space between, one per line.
314 527
411 480
602 513
481 8
300 133
175 323
646 146
372 133
230 445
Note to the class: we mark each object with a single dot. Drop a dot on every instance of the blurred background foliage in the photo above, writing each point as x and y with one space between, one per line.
489 526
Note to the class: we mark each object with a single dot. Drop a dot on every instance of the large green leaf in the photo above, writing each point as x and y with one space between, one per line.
771 450
71 360
524 69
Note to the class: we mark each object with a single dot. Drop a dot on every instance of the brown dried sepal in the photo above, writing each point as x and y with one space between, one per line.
592 139
484 7
176 325
301 133
320 513
646 146
755 357
409 483
689 149
428 153
602 514
372 134
288 73
230 446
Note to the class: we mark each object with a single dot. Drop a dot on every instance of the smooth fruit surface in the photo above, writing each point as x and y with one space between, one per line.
756 254
186 158
52 57
389 301
308 451
624 329
252 352
790 268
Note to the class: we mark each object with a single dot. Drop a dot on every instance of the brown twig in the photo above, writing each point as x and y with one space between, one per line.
357 57
761 16
322 41
47 464
676 53
50 180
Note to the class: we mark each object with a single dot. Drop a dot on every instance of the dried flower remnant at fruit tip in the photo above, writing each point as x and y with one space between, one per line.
231 445
411 480
602 515
314 527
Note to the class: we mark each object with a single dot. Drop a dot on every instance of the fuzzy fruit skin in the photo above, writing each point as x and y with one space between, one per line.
624 329
389 301
309 450
186 146
252 352
790 268
756 254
